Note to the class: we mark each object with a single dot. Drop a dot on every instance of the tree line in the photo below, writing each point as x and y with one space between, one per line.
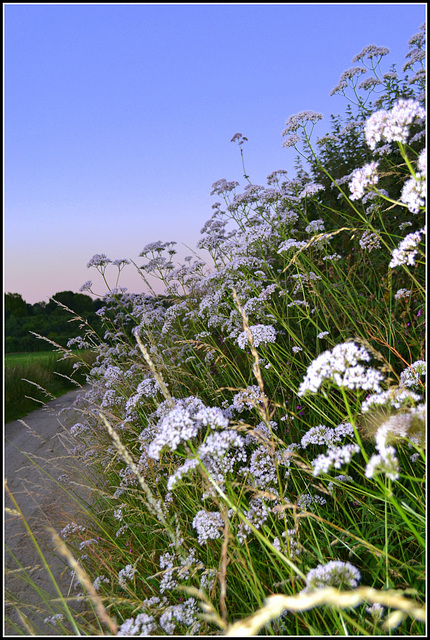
47 319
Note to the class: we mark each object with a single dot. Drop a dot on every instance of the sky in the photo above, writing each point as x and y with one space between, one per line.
118 119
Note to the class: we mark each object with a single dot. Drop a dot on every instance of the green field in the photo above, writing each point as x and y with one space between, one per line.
12 359
50 374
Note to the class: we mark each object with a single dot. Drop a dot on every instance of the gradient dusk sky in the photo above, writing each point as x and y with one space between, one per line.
118 118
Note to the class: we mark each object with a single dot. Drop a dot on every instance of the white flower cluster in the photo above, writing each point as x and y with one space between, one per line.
98 260
399 426
216 456
345 76
402 293
126 574
299 119
262 467
369 241
208 525
394 397
414 192
257 514
185 614
311 190
322 435
334 457
183 423
175 428
147 388
315 225
172 563
410 377
340 366
261 334
98 581
70 529
291 244
306 501
250 398
55 619
393 126
142 625
333 574
289 544
362 178
407 250
384 462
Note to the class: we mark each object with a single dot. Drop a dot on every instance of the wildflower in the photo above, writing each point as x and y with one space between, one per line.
340 366
298 120
334 457
289 544
315 225
305 501
121 263
320 435
71 528
345 76
370 51
394 397
393 126
257 514
310 190
407 250
296 349
55 619
376 611
239 138
369 241
249 398
384 462
142 625
327 138
261 334
98 581
414 192
86 286
361 178
184 614
98 260
411 375
291 244
221 187
291 141
262 466
367 83
342 575
175 428
334 257
402 293
208 525
323 334
126 574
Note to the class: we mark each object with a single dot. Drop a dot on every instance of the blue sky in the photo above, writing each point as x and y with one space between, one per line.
118 118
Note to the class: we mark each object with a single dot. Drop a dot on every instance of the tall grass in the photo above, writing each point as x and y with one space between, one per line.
256 444
30 379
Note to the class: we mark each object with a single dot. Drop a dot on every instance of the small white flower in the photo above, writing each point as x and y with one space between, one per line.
362 178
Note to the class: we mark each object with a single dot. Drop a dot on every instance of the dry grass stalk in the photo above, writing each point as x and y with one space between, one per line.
276 604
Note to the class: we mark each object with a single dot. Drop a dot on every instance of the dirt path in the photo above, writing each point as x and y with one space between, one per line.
30 451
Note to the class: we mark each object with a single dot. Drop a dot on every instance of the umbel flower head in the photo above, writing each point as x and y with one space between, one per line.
340 366
342 575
